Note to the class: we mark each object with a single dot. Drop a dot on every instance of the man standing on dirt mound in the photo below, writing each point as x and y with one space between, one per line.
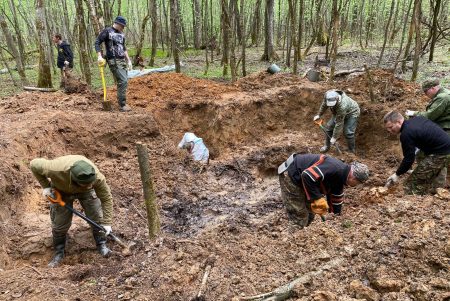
117 58
64 60
419 132
314 184
75 177
345 113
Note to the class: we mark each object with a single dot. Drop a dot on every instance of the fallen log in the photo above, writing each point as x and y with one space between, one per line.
28 88
347 72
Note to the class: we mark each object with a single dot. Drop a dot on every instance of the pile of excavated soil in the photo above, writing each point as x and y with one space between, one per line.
228 216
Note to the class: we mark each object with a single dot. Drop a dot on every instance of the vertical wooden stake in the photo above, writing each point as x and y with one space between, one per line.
149 193
369 83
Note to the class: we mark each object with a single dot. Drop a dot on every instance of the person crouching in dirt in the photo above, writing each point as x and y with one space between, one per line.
345 113
195 147
314 184
64 60
75 177
419 132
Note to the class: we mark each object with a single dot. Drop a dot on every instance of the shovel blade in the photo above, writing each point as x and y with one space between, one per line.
106 106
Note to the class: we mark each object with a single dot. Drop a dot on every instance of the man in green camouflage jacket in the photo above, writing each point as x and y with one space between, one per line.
75 177
345 113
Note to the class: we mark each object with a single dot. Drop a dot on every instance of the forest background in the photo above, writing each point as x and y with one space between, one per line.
228 39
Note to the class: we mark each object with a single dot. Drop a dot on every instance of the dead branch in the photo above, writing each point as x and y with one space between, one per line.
39 89
205 278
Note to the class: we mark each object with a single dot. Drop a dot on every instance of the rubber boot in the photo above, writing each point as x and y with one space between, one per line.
351 145
326 146
59 243
100 241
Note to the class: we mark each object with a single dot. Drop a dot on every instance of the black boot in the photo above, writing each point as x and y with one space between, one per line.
100 241
59 243
351 145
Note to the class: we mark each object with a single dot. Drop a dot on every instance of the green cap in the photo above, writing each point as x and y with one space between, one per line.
430 83
82 172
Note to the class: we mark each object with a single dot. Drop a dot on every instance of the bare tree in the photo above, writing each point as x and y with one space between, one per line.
269 51
434 29
335 14
174 33
386 32
83 47
154 19
418 46
44 76
197 24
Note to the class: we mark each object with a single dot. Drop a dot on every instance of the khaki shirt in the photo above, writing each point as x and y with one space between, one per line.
56 173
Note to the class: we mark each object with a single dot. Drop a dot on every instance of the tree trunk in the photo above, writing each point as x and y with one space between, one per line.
418 47
13 49
269 52
361 22
226 31
335 13
5 62
300 30
293 33
256 24
44 76
197 25
244 40
434 29
140 43
167 31
84 53
386 32
20 43
410 37
175 39
154 18
405 24
96 20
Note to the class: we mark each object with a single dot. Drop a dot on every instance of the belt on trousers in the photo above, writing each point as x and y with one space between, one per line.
285 165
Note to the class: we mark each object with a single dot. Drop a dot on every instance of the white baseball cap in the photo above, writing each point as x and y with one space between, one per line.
332 98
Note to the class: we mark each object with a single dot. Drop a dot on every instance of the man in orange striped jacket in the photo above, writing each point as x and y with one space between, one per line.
314 184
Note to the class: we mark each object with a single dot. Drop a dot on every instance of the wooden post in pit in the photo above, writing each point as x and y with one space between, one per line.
149 192
369 83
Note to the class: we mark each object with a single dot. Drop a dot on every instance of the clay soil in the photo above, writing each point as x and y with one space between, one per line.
228 216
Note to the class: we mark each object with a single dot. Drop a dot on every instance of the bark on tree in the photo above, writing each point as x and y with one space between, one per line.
434 29
175 39
82 46
17 29
335 13
405 24
226 31
154 19
244 40
44 75
269 51
293 33
410 37
140 43
5 62
95 18
13 49
197 24
256 24
418 45
386 32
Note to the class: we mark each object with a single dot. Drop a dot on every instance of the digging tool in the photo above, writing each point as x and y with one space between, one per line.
319 122
56 198
106 103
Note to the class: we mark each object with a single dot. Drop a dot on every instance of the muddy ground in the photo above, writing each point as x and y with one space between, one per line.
229 216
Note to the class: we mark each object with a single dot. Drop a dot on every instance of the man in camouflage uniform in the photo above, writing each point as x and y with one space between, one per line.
314 184
419 132
75 177
437 110
345 118
117 58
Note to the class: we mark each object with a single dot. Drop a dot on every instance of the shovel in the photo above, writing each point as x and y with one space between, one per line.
56 198
106 103
319 122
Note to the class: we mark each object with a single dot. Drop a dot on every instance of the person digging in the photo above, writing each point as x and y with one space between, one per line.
117 58
419 132
345 113
314 184
64 60
75 178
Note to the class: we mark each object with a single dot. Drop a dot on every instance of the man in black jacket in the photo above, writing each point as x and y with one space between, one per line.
65 57
314 184
419 132
117 58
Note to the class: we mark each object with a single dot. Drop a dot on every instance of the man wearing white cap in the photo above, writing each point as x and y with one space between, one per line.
345 113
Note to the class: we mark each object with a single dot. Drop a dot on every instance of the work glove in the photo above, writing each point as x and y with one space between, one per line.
317 117
47 192
333 141
66 63
391 180
108 229
320 206
130 66
410 113
101 61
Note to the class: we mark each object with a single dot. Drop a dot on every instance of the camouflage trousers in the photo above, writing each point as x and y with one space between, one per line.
119 70
430 173
294 199
61 217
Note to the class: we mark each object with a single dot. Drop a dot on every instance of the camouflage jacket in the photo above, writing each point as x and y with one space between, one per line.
346 107
56 173
438 109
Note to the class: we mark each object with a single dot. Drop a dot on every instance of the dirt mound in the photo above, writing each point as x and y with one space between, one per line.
74 84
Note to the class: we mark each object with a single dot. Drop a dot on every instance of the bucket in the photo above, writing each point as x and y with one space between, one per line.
313 75
273 69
